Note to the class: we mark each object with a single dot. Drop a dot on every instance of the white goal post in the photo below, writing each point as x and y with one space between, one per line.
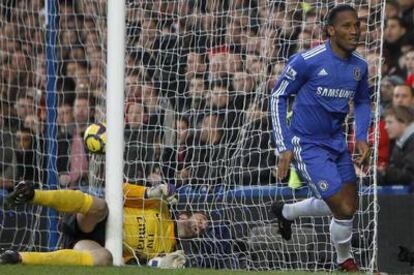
115 128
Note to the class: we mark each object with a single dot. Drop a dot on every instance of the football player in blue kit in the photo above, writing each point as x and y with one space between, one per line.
324 80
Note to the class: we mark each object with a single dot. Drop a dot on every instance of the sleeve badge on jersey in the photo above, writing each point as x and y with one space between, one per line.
290 73
357 74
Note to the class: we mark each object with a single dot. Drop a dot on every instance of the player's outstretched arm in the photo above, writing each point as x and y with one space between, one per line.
163 191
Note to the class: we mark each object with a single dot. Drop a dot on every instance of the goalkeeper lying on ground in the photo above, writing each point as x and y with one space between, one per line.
149 229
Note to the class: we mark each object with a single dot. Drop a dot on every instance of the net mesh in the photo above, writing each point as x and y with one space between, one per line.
198 78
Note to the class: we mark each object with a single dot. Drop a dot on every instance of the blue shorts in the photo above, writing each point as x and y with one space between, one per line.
325 170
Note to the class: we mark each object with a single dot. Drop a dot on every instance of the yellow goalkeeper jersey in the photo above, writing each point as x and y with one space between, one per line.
148 226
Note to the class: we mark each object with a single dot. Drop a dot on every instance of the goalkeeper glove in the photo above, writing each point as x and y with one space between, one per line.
162 191
172 260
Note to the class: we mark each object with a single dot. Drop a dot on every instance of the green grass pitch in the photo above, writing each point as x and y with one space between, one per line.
70 270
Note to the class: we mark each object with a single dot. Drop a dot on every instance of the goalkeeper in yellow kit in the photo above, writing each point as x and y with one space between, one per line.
150 231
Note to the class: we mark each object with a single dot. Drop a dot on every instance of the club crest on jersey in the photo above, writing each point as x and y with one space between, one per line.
323 185
357 74
290 73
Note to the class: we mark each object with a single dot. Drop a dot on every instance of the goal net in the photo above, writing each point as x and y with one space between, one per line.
198 76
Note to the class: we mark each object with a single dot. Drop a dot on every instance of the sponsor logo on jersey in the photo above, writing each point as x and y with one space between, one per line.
331 92
323 185
323 72
290 73
357 74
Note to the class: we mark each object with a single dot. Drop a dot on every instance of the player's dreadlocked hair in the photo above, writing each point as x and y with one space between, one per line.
331 17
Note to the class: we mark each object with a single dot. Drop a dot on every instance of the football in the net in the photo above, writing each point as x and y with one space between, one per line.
95 138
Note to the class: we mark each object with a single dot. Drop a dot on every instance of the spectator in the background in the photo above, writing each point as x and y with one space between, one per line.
159 110
68 39
400 127
218 59
91 38
305 40
66 127
173 157
236 22
133 86
392 9
252 42
244 83
244 87
373 59
234 62
21 68
405 47
196 64
41 75
83 113
26 166
142 63
228 105
255 66
394 35
6 153
196 94
77 53
139 143
277 69
270 47
25 106
403 95
76 70
205 161
363 16
212 25
383 142
388 84
148 33
409 66
257 159
406 9
96 78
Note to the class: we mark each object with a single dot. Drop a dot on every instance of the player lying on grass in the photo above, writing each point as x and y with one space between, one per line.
150 231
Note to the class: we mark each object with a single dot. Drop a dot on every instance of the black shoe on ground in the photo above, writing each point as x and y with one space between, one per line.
10 257
285 226
23 192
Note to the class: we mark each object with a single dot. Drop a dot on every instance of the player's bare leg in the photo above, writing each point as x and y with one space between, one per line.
101 256
96 213
344 203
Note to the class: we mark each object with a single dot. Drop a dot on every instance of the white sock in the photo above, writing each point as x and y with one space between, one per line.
308 207
341 235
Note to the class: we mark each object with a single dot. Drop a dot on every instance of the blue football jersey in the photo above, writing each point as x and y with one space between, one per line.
324 85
